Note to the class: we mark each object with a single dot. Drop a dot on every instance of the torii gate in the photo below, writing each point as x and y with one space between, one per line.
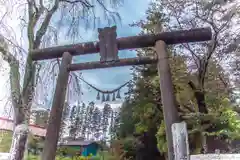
108 47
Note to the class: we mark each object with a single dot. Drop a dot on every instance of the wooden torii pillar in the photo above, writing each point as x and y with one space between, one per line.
110 44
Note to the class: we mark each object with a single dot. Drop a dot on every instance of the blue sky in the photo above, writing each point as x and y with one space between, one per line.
110 78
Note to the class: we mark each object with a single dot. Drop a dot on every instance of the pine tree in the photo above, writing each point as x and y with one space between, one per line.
111 127
105 119
88 119
116 123
85 121
81 119
73 121
96 123
65 117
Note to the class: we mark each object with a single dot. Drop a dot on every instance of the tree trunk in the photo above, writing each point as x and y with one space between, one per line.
21 104
22 101
18 142
199 94
146 147
200 97
19 138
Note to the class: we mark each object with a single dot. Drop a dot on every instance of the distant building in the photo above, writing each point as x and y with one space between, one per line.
82 147
6 131
37 122
7 125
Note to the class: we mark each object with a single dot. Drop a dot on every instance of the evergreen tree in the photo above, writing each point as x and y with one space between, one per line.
65 118
85 121
96 123
81 119
73 122
111 127
77 125
114 126
88 119
105 119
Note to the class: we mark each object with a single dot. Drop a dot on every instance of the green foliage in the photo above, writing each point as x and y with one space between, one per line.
6 140
227 122
140 128
34 143
99 157
224 123
129 148
62 151
32 157
126 126
142 109
104 155
124 149
63 158
95 158
161 138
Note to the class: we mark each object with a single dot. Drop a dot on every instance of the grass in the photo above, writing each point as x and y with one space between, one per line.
100 156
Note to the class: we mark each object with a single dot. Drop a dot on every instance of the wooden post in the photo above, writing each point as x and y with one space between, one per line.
167 94
180 141
50 145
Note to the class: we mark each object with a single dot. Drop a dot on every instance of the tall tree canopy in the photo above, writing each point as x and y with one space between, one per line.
201 79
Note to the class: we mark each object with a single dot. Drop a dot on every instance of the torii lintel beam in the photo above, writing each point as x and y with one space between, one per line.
141 41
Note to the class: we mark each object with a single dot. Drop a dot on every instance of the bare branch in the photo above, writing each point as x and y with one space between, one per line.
35 6
104 7
7 56
37 15
14 44
40 33
30 28
211 23
187 46
4 15
83 2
